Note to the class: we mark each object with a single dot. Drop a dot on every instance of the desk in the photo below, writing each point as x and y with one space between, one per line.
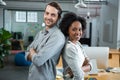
105 76
101 76
17 44
114 58
21 44
16 51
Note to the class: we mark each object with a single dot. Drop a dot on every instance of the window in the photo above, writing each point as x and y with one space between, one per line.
20 16
24 16
95 0
31 16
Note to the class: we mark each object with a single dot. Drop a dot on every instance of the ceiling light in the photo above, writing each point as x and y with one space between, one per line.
80 4
2 3
88 15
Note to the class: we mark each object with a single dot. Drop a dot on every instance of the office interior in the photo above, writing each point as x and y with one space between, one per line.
102 16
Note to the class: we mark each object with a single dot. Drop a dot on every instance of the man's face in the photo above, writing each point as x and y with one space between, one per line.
50 16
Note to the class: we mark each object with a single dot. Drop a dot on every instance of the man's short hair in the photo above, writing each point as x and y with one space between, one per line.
57 6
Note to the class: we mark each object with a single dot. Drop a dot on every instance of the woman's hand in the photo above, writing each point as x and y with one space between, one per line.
86 67
69 71
86 62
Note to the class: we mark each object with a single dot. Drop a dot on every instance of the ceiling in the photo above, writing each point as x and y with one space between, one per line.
66 1
94 5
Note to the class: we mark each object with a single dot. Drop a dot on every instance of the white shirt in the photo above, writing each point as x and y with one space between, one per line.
74 57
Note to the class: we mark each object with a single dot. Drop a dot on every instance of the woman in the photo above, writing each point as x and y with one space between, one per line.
75 61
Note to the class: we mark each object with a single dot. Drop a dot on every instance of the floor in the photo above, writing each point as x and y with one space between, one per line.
13 72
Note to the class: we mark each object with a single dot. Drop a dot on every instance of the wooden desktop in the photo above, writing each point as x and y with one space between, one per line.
104 76
114 58
99 76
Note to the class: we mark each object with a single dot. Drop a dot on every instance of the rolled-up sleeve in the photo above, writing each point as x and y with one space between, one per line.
31 46
52 47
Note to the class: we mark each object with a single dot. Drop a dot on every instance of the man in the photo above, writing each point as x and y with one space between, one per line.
44 51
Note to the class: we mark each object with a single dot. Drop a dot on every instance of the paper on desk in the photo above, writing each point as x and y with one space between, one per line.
115 70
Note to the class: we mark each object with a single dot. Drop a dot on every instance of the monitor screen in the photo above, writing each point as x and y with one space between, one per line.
101 54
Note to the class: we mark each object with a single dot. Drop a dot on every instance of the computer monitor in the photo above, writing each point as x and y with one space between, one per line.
101 54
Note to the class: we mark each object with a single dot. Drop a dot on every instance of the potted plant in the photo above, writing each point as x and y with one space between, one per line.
5 45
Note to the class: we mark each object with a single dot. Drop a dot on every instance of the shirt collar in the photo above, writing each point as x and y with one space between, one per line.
52 29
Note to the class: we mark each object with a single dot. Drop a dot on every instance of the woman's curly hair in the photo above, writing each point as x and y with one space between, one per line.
68 19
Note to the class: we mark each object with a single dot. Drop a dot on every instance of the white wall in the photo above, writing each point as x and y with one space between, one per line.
95 31
8 20
118 30
1 17
109 13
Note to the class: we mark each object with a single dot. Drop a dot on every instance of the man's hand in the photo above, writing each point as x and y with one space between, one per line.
31 52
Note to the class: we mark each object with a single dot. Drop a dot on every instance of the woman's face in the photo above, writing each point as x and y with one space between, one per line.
75 31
